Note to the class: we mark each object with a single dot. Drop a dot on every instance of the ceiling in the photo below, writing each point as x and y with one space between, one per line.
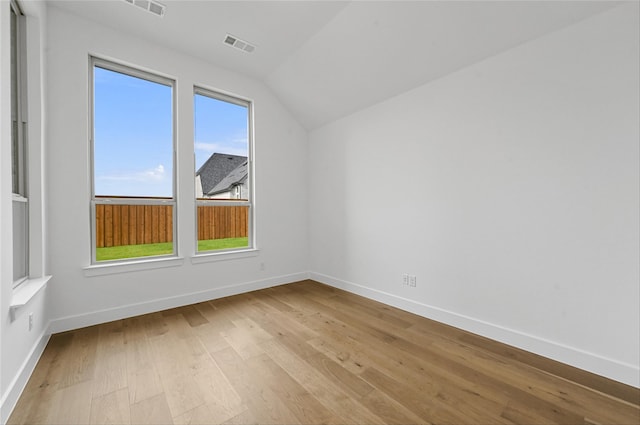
327 59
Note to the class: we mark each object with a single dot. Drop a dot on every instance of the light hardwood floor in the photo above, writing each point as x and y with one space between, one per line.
310 354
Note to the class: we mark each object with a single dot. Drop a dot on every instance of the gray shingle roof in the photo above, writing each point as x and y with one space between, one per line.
237 176
216 168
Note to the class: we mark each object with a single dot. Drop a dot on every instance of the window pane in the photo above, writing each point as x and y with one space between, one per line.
20 244
16 154
133 136
221 148
223 227
222 172
133 205
131 231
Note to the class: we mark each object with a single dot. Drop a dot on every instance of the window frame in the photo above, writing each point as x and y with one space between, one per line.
19 145
110 65
250 202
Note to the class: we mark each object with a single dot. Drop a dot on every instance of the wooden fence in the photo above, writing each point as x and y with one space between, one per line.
221 222
118 224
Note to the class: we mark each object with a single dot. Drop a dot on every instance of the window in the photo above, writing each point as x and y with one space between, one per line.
133 203
20 200
223 176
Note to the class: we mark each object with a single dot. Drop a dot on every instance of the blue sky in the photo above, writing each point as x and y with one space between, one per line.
133 134
219 127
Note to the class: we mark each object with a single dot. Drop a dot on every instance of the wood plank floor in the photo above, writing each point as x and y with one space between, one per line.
305 353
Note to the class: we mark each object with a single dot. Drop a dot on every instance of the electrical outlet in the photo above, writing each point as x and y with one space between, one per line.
412 281
30 321
405 279
262 267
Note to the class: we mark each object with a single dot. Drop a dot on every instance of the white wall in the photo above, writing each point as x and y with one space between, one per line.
516 185
76 299
20 346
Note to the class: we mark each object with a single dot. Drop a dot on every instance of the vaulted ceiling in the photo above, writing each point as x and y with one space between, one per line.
327 59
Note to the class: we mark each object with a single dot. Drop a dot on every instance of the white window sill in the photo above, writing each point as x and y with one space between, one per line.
132 266
208 257
25 292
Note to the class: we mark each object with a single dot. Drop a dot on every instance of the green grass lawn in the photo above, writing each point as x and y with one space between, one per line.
215 244
154 249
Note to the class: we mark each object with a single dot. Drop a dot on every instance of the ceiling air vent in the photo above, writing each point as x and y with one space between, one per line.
150 6
234 41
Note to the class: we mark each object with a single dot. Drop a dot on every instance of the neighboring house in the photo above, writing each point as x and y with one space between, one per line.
223 176
233 186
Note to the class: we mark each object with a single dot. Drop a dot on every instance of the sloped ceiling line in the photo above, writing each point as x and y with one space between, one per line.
326 59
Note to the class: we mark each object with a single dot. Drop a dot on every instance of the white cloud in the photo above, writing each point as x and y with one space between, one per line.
156 174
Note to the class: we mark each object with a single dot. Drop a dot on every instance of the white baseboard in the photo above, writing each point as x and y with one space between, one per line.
103 316
19 382
609 368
